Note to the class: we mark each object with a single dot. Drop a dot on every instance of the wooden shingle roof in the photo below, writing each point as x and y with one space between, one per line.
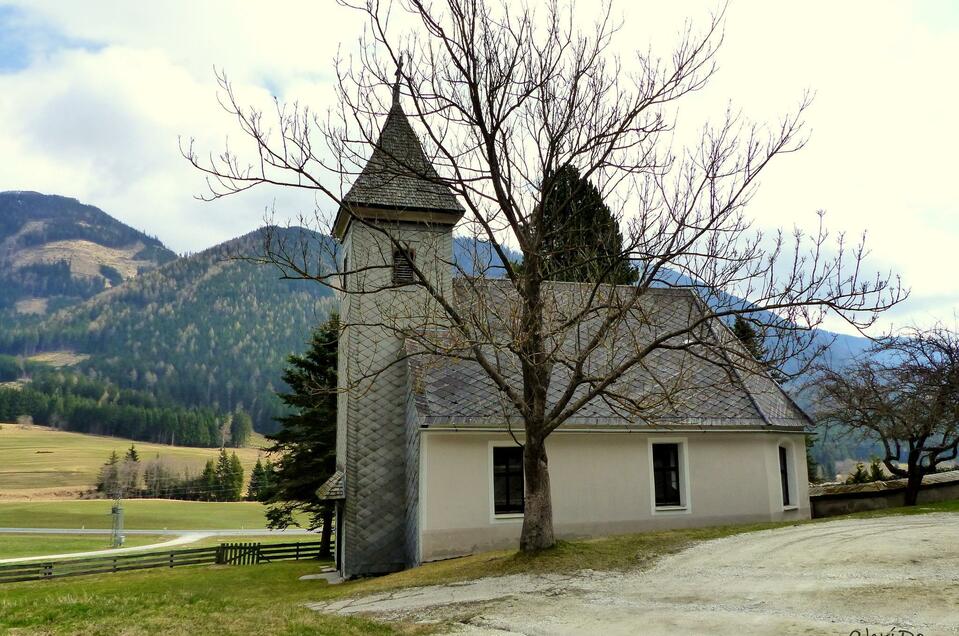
333 488
398 175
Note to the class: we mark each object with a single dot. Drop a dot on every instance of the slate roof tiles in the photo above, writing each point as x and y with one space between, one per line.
703 390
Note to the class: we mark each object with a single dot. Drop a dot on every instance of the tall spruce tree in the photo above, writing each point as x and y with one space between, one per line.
750 338
229 477
305 445
257 481
208 483
241 426
584 242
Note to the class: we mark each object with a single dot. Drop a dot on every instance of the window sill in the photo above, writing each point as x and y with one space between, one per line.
671 509
787 508
508 516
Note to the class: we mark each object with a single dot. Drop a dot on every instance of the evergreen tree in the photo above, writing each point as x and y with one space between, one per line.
257 481
207 486
305 445
234 490
132 454
583 242
241 426
108 481
746 333
223 476
860 476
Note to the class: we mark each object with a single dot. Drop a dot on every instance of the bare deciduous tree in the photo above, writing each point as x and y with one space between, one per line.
504 97
904 394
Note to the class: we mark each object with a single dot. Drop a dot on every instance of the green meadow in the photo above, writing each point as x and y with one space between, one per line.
139 514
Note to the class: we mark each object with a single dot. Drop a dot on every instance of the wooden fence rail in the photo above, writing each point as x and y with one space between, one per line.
226 554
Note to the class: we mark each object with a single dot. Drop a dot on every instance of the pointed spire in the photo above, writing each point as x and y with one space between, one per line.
398 176
396 84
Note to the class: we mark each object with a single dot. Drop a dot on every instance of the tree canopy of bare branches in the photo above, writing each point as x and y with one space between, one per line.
503 96
904 394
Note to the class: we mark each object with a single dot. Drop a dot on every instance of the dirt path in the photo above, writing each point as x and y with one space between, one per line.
823 578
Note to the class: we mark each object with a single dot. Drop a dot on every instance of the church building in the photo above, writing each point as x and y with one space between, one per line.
428 458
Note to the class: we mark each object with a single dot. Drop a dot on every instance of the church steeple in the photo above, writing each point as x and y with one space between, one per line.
398 181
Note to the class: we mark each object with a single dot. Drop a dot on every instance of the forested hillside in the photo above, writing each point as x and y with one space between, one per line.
203 331
176 351
55 251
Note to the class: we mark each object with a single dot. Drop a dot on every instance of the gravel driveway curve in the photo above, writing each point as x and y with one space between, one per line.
840 577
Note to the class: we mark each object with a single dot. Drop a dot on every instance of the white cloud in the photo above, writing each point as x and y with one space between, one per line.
97 114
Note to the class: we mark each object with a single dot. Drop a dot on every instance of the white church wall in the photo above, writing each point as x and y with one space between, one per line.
601 485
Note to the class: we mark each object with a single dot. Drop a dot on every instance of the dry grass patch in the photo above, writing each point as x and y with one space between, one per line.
37 459
59 358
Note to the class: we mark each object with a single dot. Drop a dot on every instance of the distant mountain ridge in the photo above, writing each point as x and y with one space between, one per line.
55 251
203 330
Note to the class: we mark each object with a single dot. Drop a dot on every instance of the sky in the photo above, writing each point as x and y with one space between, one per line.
95 96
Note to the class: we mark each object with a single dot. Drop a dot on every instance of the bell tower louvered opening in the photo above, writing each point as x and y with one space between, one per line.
403 273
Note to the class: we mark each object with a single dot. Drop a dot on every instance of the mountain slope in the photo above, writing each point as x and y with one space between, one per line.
203 330
55 251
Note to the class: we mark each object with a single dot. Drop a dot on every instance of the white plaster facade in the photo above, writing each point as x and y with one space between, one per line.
602 485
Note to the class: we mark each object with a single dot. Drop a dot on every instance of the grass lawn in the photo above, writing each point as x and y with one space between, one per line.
268 599
22 545
139 514
257 599
38 460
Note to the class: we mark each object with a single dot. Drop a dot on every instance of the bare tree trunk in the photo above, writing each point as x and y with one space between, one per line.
913 483
538 508
326 533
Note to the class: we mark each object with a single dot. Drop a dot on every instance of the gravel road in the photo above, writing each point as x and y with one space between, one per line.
824 578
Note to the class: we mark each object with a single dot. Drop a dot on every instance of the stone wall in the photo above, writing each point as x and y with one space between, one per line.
840 499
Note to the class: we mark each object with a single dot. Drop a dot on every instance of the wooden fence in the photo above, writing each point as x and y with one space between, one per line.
226 554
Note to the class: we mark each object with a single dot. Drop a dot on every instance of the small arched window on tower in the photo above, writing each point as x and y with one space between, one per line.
403 266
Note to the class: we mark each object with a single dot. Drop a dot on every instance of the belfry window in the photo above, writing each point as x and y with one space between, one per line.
403 267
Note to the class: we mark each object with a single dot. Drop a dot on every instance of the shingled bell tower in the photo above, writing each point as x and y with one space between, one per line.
397 198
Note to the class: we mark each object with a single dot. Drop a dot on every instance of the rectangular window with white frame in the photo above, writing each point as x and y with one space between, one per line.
668 469
508 485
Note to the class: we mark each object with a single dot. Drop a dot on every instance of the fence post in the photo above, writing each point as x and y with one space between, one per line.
171 559
297 550
220 554
47 570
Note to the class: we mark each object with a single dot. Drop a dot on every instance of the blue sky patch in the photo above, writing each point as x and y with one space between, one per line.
23 39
